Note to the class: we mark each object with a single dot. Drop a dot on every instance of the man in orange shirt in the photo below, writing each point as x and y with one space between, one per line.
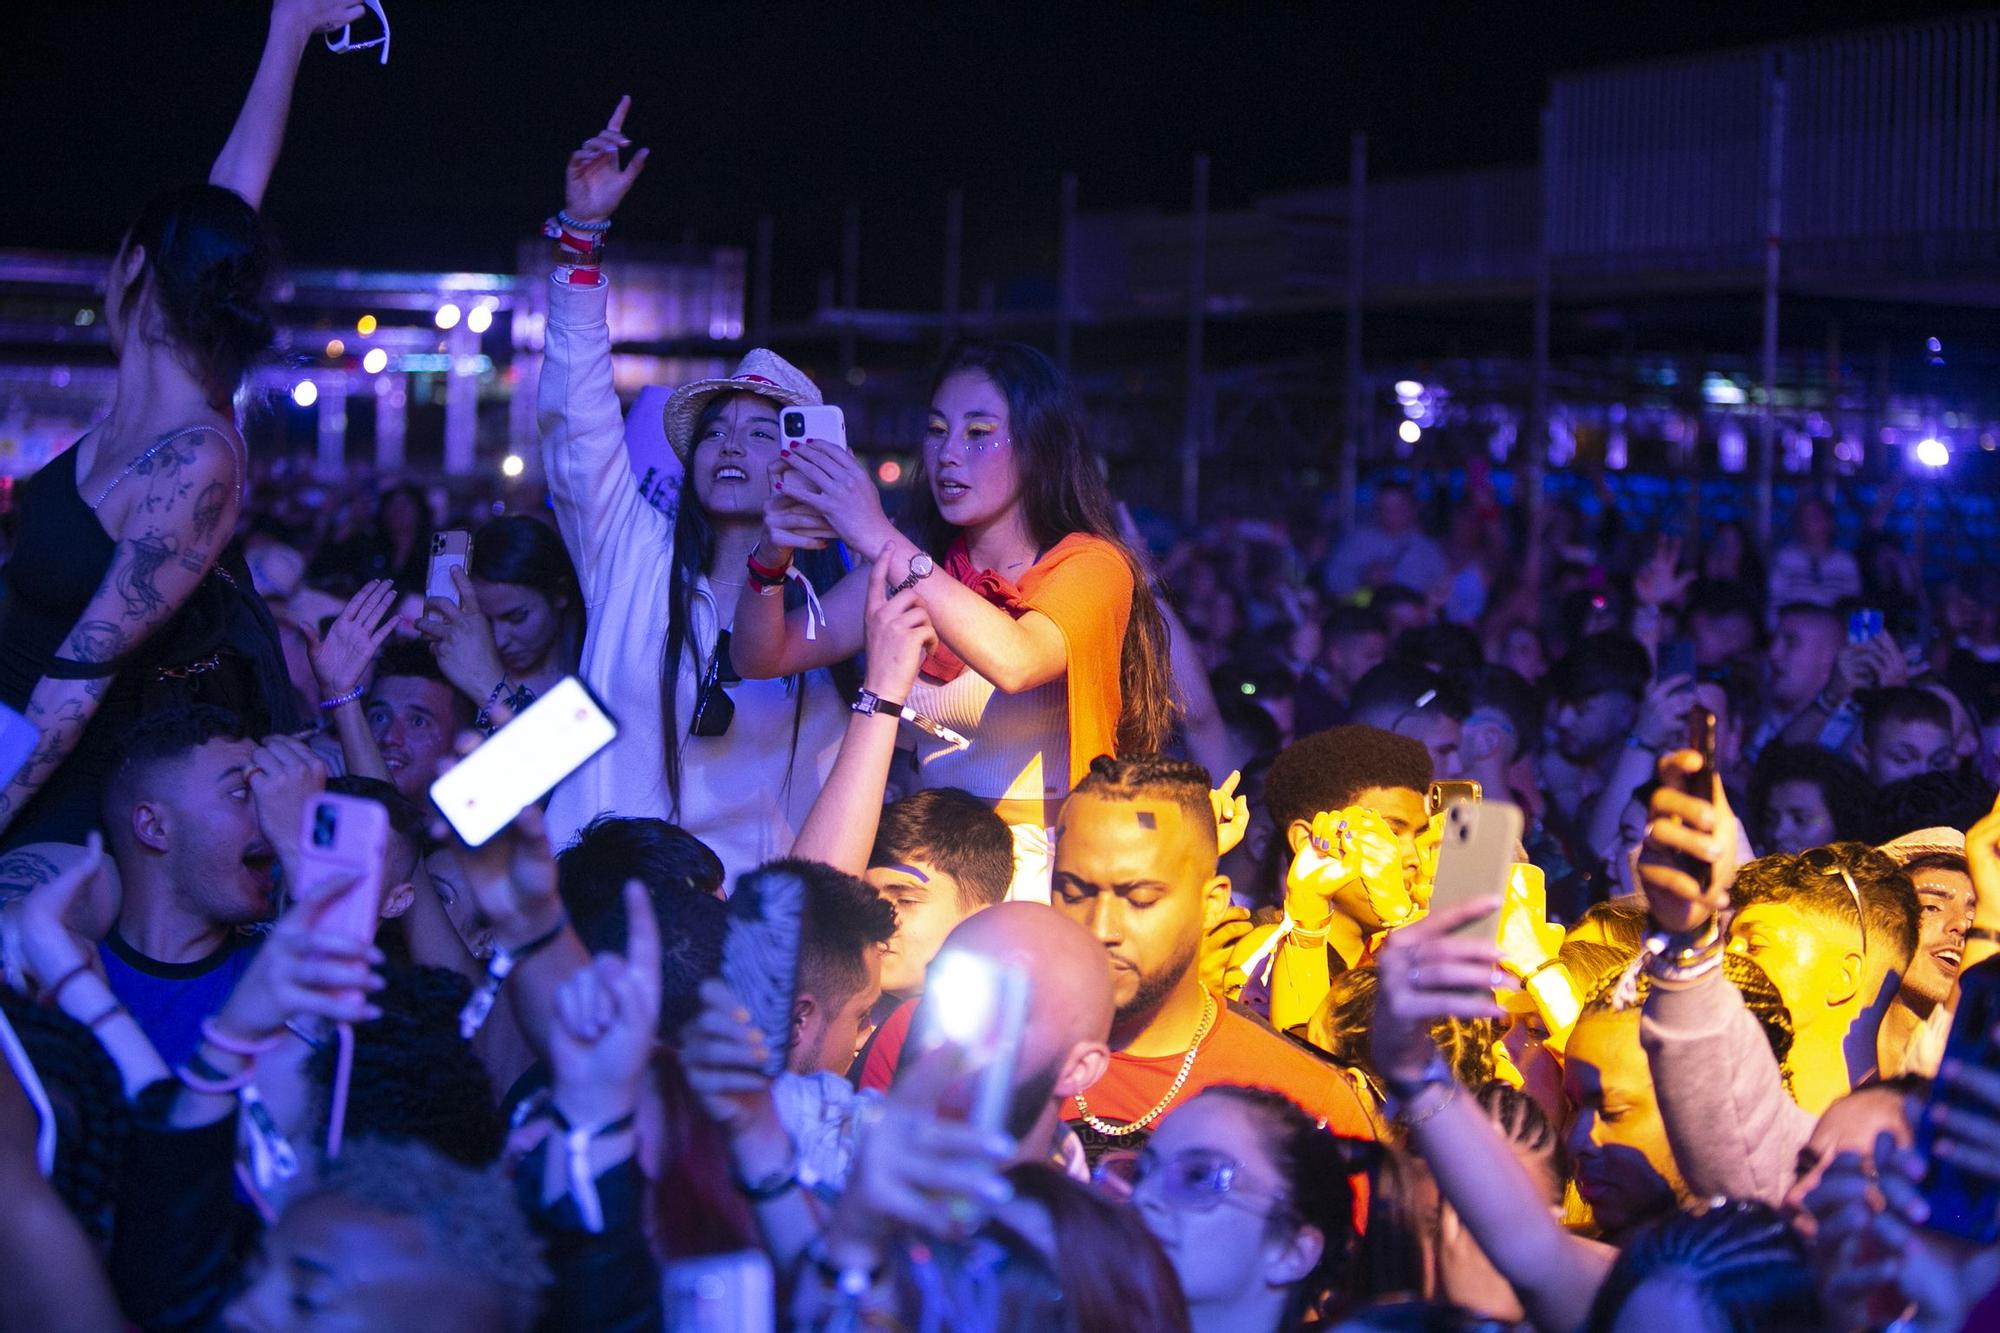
1135 864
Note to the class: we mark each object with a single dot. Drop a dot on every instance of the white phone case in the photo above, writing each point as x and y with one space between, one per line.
824 422
1474 858
523 761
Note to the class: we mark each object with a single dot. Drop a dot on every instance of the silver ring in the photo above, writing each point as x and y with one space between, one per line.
1415 974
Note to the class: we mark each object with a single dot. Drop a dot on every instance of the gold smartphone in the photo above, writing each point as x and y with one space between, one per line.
1444 795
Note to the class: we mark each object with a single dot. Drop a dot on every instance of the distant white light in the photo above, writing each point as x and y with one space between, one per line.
1720 389
1407 390
376 361
512 466
1933 344
305 393
1409 432
447 316
479 318
1932 453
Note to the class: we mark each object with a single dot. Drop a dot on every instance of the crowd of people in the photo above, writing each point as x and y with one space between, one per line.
1181 796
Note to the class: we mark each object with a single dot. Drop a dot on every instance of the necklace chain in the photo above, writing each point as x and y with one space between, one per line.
1159 1108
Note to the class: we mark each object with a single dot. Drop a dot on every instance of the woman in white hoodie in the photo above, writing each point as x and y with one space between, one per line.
737 763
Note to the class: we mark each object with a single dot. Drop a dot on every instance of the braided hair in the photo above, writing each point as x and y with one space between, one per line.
88 1098
1740 1260
1524 1124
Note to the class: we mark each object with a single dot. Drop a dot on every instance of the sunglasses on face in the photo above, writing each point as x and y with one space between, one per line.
714 710
1199 1180
1825 861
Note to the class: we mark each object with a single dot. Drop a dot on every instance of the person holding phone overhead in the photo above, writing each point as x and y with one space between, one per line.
1052 650
118 601
735 762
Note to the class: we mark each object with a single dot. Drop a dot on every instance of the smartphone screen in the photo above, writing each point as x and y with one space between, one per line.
1864 624
1963 1204
979 1006
1475 857
720 1293
523 761
760 955
449 550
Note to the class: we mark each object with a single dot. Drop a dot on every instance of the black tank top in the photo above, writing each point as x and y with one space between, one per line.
221 647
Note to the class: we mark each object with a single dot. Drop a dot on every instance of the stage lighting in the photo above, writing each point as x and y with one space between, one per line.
447 316
1409 432
479 318
512 466
305 393
1932 453
376 361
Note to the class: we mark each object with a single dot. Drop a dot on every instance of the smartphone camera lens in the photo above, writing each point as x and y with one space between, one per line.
795 424
437 544
323 823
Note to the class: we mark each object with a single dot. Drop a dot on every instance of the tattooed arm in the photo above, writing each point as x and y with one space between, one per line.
182 508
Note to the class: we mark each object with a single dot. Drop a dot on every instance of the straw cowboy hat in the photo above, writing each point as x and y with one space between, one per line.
1924 842
761 371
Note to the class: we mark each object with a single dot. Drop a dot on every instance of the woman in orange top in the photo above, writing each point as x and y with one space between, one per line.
1051 647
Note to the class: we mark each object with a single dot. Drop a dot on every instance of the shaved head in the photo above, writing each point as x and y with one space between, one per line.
1065 1047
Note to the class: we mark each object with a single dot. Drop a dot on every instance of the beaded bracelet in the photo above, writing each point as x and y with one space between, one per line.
340 700
578 224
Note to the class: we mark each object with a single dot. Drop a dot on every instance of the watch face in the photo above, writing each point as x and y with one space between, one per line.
921 566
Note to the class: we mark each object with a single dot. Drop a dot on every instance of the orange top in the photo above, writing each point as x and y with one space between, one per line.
1084 584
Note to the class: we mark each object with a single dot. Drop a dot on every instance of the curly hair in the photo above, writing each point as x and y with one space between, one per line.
1887 896
1760 997
468 1217
1329 769
1744 1264
1341 1024
1849 795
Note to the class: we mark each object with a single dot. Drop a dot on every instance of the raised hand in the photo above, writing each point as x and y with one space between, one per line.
283 775
512 879
826 479
1427 973
1351 859
301 971
1661 581
1684 825
51 946
594 184
791 525
723 1055
899 636
1662 720
303 18
1232 814
355 636
461 638
606 1017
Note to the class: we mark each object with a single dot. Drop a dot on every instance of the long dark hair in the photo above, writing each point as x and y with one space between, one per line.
209 256
525 551
1743 1263
694 546
1062 493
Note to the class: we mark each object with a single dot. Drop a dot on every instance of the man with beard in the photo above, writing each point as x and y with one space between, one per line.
196 815
1596 691
1135 865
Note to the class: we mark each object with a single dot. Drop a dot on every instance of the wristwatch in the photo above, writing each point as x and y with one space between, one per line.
921 566
868 704
1436 1070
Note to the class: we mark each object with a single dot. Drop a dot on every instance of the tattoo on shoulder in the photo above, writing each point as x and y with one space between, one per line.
22 871
208 508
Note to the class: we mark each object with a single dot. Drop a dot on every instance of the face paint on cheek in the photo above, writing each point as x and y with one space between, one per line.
914 873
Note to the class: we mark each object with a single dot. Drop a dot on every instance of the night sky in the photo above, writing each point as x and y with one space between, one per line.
454 150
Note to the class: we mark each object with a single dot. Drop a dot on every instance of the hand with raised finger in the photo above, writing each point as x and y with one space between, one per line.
512 879
461 639
1426 973
299 972
833 483
1687 826
898 635
341 659
1232 814
594 184
606 1022
283 775
1662 720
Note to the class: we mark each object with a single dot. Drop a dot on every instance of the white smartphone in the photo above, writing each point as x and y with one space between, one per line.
523 761
981 1007
18 739
345 837
450 550
799 424
720 1293
1474 859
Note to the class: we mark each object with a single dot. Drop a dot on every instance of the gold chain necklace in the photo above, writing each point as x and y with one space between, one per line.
1159 1108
